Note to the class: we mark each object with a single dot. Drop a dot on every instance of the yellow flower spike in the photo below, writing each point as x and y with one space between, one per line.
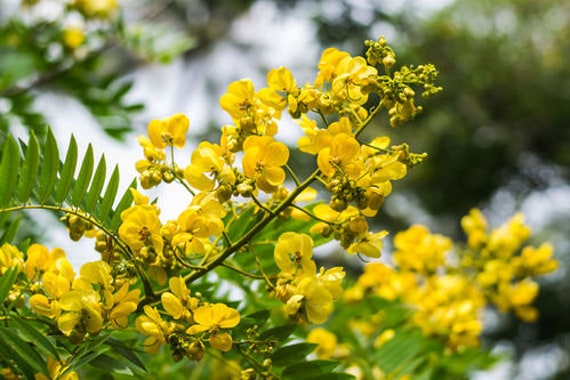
212 318
239 98
294 250
263 160
170 131
55 368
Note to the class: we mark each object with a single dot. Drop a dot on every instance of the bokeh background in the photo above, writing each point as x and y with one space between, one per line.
498 137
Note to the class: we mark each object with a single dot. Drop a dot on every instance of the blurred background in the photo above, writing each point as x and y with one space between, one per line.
498 137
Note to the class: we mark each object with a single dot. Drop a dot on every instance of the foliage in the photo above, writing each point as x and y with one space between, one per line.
231 287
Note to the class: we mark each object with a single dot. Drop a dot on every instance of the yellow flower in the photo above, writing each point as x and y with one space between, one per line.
294 250
96 8
40 259
207 166
95 274
317 300
123 304
170 131
10 256
213 318
328 65
327 342
141 228
263 160
239 98
55 368
539 260
475 226
81 312
73 37
342 155
179 304
157 330
420 251
351 76
368 244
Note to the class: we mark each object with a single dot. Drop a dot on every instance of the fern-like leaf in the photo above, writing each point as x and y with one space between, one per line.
33 176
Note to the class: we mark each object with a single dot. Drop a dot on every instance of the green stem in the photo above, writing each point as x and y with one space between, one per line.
245 239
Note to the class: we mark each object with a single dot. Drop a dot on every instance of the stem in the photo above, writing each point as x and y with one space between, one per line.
245 239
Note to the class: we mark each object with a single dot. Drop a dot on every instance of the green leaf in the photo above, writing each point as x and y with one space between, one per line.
395 353
279 333
243 223
10 233
109 196
23 350
126 352
36 337
124 203
6 282
83 178
110 364
309 370
292 354
9 168
17 364
29 170
66 172
49 166
88 352
96 185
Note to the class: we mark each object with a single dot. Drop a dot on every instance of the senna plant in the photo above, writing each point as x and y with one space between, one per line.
231 288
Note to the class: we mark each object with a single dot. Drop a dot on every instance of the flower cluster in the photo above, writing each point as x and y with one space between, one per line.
80 305
447 286
189 322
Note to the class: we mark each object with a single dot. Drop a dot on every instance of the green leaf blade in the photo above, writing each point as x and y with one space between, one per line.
9 168
292 354
96 185
84 177
37 337
124 203
29 170
49 167
108 199
66 172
